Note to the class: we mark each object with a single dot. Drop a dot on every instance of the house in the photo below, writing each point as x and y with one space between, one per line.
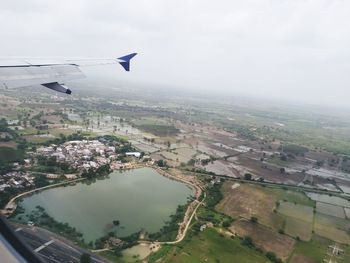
115 242
135 154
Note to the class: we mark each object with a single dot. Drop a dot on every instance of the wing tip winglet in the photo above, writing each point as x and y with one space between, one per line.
125 61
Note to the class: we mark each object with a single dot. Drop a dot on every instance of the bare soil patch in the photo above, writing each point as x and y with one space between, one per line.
250 200
265 238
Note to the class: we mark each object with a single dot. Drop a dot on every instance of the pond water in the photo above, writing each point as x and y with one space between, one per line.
141 199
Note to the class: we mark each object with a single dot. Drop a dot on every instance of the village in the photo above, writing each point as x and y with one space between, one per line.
77 155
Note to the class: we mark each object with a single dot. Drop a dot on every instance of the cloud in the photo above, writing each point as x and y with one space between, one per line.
275 48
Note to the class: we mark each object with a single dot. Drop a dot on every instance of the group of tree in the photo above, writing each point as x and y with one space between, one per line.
94 173
161 163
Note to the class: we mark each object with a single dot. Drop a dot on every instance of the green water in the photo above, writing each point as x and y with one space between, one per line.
141 199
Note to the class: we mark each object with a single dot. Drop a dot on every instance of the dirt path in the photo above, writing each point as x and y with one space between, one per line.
191 209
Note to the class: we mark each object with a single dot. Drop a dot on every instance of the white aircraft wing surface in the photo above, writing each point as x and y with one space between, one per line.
52 74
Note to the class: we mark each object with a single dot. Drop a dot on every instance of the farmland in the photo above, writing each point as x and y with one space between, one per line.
210 246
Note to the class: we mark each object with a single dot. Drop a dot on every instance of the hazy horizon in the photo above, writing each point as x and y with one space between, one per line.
288 50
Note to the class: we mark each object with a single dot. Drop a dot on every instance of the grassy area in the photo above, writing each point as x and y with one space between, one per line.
110 255
298 228
8 154
316 251
209 246
291 196
301 212
159 130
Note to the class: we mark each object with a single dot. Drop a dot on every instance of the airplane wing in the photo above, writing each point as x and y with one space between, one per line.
52 74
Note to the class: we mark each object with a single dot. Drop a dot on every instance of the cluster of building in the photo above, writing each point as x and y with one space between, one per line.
85 154
16 179
81 155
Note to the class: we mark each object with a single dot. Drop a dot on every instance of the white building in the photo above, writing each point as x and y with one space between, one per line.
136 154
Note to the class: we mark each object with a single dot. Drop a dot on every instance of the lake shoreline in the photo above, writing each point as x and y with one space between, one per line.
143 183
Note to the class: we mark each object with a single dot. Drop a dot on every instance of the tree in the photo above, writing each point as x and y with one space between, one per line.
161 163
283 157
254 219
282 170
85 258
116 222
272 256
248 241
226 223
248 176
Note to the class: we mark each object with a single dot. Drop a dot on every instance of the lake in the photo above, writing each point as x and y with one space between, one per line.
141 199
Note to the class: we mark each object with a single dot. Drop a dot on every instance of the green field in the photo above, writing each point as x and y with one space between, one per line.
292 196
209 246
159 129
332 227
336 222
298 228
304 213
8 154
315 250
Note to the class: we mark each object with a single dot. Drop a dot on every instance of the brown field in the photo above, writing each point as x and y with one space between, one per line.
271 173
265 238
9 144
250 200
57 131
298 228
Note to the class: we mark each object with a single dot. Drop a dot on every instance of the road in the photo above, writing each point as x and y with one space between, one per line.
51 247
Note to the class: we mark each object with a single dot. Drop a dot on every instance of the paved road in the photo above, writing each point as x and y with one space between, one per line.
51 247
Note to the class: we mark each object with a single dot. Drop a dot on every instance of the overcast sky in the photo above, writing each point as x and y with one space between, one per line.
294 49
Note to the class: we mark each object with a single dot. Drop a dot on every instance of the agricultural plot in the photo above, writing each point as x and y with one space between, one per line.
329 209
9 154
182 155
332 233
312 251
210 151
334 200
265 238
332 228
209 246
301 212
220 168
185 153
40 138
298 228
246 201
347 212
292 196
336 222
